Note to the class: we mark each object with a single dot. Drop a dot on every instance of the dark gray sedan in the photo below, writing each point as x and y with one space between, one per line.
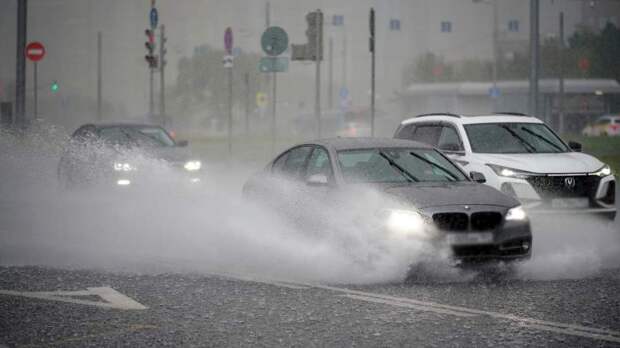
430 197
123 154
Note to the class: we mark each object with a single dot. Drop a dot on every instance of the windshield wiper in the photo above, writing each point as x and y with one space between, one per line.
542 138
402 170
528 147
451 175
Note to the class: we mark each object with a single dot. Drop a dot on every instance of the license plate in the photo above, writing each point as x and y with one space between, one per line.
564 203
470 238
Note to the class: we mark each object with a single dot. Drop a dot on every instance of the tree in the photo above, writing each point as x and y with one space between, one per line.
202 81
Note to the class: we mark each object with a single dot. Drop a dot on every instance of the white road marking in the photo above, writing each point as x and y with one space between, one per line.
113 299
408 305
568 329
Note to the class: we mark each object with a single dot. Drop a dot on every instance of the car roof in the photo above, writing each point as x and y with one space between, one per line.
118 124
344 143
473 119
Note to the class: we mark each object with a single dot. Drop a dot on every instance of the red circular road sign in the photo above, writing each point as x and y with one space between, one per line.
35 51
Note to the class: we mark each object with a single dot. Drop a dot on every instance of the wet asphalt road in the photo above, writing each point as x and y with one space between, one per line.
209 310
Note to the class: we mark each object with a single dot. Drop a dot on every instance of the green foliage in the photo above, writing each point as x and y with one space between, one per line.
602 50
202 81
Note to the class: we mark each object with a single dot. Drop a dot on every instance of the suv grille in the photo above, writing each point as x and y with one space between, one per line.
478 221
565 186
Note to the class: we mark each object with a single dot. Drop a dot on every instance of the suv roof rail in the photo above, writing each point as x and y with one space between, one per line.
439 114
511 113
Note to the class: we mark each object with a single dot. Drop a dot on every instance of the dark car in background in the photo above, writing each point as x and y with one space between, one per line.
430 197
123 155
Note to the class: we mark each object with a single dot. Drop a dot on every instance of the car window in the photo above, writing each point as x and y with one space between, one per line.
319 163
513 138
449 139
293 163
604 121
427 134
84 133
405 132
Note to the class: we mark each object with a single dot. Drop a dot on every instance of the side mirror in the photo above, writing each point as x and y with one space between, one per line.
478 177
575 146
317 180
182 143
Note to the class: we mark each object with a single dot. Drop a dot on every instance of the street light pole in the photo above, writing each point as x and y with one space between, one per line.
534 57
20 79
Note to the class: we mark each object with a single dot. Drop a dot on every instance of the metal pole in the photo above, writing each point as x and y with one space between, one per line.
495 54
317 75
230 92
534 57
99 47
330 87
372 72
151 101
36 92
273 113
20 80
246 80
162 81
561 75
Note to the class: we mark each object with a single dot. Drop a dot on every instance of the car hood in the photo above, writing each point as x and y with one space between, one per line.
424 195
554 163
170 154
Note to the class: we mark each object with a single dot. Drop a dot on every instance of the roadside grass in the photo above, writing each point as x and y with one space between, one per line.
607 149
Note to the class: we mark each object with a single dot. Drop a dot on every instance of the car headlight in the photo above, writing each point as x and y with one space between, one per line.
123 167
510 172
605 171
405 222
192 166
516 214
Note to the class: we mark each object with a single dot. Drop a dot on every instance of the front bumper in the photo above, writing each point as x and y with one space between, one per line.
574 193
495 238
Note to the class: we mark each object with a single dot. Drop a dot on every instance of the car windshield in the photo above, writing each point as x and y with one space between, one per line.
396 165
141 136
513 138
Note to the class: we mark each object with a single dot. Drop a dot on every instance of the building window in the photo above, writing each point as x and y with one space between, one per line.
395 24
513 25
337 20
446 27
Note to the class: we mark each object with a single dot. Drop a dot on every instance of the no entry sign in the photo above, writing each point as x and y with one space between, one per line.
35 51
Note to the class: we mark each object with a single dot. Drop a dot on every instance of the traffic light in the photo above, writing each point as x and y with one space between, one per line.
314 33
54 87
150 48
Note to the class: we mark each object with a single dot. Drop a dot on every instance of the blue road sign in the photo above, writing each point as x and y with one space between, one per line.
154 17
344 92
494 92
273 64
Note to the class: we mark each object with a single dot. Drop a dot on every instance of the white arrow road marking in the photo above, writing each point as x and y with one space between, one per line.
112 298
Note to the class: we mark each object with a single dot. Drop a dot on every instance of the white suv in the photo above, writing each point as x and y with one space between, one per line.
521 156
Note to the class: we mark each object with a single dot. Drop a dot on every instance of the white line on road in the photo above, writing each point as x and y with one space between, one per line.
569 329
112 298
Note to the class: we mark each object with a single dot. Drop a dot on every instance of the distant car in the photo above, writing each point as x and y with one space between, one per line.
606 125
118 154
436 200
522 157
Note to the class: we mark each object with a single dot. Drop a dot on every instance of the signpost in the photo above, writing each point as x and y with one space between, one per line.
35 51
228 64
274 42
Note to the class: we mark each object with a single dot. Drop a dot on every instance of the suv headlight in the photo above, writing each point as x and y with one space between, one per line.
510 172
192 166
123 167
516 214
605 171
